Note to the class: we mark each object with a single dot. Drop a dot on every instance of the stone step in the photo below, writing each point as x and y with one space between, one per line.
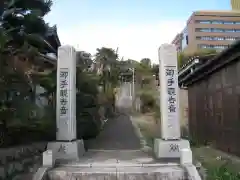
117 165
151 172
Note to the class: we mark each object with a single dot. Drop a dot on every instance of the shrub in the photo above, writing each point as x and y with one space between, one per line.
223 172
87 105
148 101
157 113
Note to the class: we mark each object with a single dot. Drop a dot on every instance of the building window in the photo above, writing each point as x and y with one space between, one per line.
216 30
203 30
204 46
204 38
230 38
203 22
215 38
220 46
184 39
217 22
229 30
218 38
228 22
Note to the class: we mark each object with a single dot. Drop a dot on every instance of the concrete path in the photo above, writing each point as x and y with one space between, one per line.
117 134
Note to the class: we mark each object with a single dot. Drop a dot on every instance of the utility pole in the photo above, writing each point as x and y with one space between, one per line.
133 81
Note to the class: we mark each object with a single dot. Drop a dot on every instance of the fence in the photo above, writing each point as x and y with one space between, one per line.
214 101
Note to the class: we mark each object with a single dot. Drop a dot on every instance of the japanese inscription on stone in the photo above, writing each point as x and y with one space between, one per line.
171 89
174 148
63 92
63 148
171 85
169 92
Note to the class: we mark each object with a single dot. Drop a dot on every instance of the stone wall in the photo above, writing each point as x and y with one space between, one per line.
20 163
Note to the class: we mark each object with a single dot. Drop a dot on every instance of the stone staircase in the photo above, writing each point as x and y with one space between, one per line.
118 172
116 165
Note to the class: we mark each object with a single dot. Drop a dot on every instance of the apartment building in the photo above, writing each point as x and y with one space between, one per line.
209 29
235 4
178 42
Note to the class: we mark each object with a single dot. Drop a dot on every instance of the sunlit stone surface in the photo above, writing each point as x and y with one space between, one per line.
114 165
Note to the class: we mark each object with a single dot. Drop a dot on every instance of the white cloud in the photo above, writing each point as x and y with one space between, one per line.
134 41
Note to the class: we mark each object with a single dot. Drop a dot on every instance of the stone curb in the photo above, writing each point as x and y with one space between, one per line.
143 142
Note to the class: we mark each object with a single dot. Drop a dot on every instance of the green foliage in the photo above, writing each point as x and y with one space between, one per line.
88 121
87 83
48 81
21 19
183 58
222 172
26 16
146 62
107 59
143 74
22 23
148 101
203 52
157 113
155 70
32 130
83 62
106 55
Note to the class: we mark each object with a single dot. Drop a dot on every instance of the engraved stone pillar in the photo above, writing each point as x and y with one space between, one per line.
170 127
66 94
170 144
66 146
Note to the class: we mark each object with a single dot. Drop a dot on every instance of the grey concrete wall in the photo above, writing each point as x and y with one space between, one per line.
20 163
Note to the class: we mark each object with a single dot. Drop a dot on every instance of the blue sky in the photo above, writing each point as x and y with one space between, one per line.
137 27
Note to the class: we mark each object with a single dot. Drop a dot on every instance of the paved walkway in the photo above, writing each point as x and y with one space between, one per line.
118 134
115 154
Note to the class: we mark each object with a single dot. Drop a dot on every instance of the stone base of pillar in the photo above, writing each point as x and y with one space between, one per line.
71 151
164 149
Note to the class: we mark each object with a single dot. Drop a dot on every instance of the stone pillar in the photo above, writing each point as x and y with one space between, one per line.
66 94
170 144
67 146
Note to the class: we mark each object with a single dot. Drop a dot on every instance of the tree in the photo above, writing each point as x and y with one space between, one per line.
21 24
84 60
183 57
146 61
143 73
107 59
155 70
23 21
26 17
